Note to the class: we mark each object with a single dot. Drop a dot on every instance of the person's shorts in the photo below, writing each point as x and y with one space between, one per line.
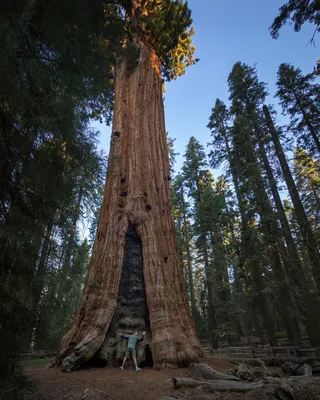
131 353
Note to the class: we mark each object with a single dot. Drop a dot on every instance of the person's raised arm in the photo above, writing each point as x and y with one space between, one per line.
143 335
124 336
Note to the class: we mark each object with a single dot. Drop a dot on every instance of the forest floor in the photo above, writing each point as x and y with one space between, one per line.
108 383
147 384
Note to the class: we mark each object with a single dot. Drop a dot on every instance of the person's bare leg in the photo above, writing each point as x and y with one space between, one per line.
136 365
123 363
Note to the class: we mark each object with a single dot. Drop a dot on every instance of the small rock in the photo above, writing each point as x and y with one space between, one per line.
304 370
244 373
284 392
259 372
67 364
262 364
289 368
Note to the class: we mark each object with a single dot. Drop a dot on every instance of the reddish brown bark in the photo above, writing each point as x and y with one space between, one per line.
136 193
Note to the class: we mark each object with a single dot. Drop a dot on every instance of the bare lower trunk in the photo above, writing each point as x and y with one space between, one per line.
137 195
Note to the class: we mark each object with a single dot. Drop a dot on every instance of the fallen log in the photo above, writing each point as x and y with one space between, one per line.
202 371
272 361
220 386
302 379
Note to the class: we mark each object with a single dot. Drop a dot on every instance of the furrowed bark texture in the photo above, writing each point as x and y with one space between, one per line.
136 195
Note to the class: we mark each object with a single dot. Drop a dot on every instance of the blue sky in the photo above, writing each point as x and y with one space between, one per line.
227 32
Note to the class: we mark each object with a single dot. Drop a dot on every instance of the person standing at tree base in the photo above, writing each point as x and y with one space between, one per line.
131 350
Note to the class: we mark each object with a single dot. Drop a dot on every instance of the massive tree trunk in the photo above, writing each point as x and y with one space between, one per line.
136 197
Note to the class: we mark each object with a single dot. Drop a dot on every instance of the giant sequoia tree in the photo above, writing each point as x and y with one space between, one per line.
135 279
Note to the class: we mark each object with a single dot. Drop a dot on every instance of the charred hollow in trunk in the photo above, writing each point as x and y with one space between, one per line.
131 311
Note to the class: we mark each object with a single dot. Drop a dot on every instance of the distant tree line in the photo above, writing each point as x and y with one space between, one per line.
251 255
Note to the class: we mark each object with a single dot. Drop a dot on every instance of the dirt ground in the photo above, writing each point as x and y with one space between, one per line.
148 384
110 383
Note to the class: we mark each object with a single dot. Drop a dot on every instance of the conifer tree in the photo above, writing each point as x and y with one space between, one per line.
299 98
310 242
248 259
54 76
213 216
299 12
248 95
182 208
307 176
196 179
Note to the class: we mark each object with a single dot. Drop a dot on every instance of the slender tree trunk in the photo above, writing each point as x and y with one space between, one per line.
293 253
212 323
295 267
276 247
316 196
221 277
41 269
36 287
136 194
285 300
273 242
189 260
72 235
258 299
306 118
211 294
242 298
190 276
307 234
270 227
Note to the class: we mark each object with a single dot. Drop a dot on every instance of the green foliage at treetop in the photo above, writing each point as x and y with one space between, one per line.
166 25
